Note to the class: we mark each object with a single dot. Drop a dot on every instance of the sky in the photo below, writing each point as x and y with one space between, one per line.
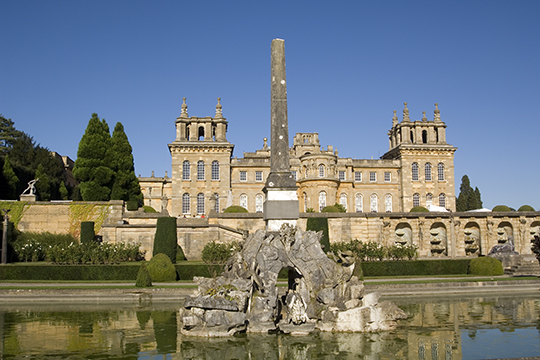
349 65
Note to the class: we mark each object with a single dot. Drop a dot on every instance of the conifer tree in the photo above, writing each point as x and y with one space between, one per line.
11 179
92 167
64 193
8 134
125 183
43 186
479 202
468 198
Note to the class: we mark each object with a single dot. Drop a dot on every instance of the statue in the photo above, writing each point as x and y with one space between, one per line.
31 188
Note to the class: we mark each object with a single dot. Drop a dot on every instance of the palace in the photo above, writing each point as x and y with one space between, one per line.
417 170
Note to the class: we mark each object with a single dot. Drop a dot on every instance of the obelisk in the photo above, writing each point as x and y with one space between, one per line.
281 203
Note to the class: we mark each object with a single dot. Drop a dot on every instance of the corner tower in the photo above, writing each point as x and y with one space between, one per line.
201 160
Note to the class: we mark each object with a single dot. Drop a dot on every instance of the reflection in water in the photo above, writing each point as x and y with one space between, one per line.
437 328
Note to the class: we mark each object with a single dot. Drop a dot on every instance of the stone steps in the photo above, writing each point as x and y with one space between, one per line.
525 266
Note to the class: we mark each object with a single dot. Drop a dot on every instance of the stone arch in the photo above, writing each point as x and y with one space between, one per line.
403 234
438 239
505 232
200 133
472 239
535 229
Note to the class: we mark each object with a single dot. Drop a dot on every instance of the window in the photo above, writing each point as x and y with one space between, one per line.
200 203
321 170
440 171
428 172
416 200
358 203
294 174
415 171
372 176
305 202
243 201
387 176
442 200
185 204
258 176
215 170
306 171
185 170
388 203
200 170
429 199
216 207
357 176
322 200
259 203
342 175
343 200
373 203
243 176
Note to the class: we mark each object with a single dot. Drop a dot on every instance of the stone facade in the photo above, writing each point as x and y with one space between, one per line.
418 169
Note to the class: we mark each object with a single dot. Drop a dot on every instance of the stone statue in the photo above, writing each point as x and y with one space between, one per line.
31 189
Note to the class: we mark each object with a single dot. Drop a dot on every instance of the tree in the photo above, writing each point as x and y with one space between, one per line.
11 179
8 135
92 168
468 198
125 183
43 186
165 239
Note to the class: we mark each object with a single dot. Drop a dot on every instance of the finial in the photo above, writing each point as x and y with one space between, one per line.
424 118
184 109
152 173
437 113
265 146
394 118
406 113
219 111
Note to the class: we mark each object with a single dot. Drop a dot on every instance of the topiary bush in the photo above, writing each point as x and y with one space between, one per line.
149 209
235 209
165 240
320 224
501 208
485 266
87 232
526 208
143 277
132 205
180 256
161 268
419 209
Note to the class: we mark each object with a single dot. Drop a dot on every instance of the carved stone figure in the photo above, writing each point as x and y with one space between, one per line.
403 234
438 240
472 239
31 189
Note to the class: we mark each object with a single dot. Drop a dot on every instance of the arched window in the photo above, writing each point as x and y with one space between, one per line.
200 203
416 200
185 204
412 136
201 133
186 170
243 201
305 202
442 200
358 203
216 207
424 136
388 203
322 200
415 171
429 199
215 170
428 172
259 203
440 171
321 170
373 203
200 170
343 200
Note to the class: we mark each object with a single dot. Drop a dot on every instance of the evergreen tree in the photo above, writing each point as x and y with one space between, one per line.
11 179
64 193
92 168
479 202
468 198
8 135
125 183
43 186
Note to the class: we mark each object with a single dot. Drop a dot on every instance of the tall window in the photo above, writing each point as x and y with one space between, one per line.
185 204
293 174
343 200
305 202
387 176
200 203
342 175
428 172
258 176
440 171
372 176
442 200
388 203
185 170
200 170
415 171
243 176
416 200
358 203
259 203
357 176
215 170
243 201
322 200
373 203
429 199
216 207
321 170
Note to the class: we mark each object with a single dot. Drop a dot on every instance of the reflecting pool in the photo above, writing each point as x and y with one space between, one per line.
453 327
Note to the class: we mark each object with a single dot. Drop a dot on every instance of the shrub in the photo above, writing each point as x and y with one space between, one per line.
149 209
526 208
536 247
143 277
180 256
419 209
485 266
501 208
372 251
87 232
310 210
161 268
165 240
218 253
334 208
132 205
235 209
320 224
415 267
93 253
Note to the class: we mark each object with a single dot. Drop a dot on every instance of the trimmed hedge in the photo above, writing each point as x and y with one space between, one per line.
87 232
526 208
415 267
235 209
69 272
165 240
486 266
419 209
320 224
501 208
161 268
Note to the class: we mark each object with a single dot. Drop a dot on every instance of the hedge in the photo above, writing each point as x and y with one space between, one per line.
415 267
165 239
320 224
69 272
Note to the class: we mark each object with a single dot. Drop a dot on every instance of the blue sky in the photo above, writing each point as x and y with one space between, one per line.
349 65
